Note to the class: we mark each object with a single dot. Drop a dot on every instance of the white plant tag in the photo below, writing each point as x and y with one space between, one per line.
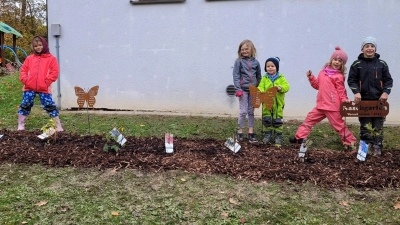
47 134
304 146
232 145
120 138
169 143
1 135
362 151
303 150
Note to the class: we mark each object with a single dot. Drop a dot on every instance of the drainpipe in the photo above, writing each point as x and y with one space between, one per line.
56 32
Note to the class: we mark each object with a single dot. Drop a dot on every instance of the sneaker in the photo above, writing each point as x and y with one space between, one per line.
293 140
252 138
239 137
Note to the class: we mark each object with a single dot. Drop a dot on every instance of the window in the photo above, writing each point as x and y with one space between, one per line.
154 1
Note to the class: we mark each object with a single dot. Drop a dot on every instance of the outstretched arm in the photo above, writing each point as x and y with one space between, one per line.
313 81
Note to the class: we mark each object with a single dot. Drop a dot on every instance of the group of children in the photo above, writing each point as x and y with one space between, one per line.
369 79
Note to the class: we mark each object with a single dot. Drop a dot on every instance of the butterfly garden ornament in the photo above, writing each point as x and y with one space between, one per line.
263 97
86 97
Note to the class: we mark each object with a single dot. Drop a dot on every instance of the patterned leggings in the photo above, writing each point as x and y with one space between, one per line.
28 98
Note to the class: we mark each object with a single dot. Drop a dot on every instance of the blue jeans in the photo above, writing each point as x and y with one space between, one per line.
28 98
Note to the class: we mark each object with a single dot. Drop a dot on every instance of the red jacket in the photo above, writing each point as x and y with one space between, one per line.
331 90
39 72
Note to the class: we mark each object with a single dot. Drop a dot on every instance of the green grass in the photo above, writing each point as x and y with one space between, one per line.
90 196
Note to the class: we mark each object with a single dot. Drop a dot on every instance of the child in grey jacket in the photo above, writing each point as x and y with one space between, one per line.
246 72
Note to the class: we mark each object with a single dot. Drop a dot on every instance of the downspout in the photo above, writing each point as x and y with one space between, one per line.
59 74
56 32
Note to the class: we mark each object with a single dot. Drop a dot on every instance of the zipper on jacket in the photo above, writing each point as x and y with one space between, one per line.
37 75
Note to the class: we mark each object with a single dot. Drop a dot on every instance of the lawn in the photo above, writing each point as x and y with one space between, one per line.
38 194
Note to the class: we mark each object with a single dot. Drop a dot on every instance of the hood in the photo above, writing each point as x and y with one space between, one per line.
45 49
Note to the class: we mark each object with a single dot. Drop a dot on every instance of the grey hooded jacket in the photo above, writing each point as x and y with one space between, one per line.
245 71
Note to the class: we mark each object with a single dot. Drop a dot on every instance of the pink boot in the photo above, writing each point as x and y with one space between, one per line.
21 122
59 127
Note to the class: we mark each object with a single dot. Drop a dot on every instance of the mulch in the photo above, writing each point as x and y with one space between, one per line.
325 168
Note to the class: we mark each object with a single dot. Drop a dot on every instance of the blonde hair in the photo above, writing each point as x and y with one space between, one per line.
342 69
35 40
253 51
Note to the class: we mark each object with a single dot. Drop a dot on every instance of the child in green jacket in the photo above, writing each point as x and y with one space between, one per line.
273 119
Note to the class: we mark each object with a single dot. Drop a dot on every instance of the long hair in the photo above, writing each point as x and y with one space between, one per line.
342 68
253 51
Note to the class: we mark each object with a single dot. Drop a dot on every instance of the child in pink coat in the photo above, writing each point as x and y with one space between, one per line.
331 92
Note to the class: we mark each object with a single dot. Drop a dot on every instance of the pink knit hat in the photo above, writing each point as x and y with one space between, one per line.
339 53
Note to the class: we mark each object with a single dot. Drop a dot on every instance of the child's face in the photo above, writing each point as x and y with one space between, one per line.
38 46
369 50
336 63
271 68
245 50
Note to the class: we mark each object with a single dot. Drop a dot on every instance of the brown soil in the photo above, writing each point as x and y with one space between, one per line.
325 168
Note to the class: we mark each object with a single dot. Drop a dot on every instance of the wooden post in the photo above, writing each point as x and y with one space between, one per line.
2 55
15 43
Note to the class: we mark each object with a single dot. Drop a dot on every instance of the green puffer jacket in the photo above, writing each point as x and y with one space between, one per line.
279 100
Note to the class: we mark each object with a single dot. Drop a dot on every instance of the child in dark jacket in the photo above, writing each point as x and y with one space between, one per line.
370 79
246 72
37 73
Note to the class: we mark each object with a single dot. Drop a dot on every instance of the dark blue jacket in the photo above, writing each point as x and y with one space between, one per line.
370 77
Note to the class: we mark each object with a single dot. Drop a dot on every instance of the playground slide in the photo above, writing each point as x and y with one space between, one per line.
17 61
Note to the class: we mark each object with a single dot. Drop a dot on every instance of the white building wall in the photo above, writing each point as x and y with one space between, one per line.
179 57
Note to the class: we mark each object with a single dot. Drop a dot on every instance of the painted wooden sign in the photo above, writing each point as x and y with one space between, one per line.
86 97
364 109
263 97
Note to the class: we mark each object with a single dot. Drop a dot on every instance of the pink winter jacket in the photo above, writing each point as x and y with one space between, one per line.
39 72
331 90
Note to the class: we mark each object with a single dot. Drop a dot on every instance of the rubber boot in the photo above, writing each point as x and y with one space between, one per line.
267 137
58 122
278 139
21 122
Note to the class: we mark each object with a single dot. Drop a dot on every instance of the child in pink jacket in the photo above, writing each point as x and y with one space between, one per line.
331 92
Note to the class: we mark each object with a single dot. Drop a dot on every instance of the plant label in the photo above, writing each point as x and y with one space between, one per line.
232 145
169 143
119 138
362 150
47 133
303 147
303 150
1 135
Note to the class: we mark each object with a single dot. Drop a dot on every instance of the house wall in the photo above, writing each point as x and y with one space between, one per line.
179 57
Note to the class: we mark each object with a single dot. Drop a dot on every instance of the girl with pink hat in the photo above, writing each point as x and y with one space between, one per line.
331 93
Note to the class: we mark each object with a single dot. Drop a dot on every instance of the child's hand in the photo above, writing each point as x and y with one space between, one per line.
357 98
239 93
279 88
309 73
384 97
